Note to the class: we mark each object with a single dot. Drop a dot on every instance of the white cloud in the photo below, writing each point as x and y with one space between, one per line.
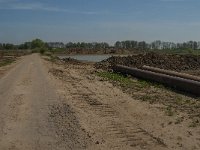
7 1
39 6
25 6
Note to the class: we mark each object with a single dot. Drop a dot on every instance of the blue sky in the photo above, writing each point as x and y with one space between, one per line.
99 20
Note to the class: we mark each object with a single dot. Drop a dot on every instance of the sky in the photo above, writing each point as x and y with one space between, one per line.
99 20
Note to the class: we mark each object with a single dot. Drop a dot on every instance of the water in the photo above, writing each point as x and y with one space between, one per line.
89 58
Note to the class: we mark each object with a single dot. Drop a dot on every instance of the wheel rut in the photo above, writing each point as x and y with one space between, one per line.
117 129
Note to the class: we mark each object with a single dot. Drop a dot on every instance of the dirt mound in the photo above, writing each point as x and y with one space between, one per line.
163 61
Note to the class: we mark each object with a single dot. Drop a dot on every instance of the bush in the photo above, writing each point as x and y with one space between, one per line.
42 50
34 51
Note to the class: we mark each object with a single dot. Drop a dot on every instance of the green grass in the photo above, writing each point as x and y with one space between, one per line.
116 77
6 62
169 111
144 84
154 93
127 81
148 98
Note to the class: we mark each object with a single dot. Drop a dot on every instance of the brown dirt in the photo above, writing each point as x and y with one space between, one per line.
5 68
174 62
58 106
31 112
116 120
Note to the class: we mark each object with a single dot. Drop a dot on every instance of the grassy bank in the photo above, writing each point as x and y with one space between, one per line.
6 61
153 93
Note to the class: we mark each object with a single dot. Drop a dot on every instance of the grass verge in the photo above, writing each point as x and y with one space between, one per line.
5 62
154 93
116 77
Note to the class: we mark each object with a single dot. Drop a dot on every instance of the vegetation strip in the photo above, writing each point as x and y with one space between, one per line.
154 93
5 62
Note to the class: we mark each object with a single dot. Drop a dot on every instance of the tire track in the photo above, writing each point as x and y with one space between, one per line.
121 130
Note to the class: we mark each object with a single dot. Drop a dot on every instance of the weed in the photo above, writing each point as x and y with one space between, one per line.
144 84
179 120
42 51
154 93
169 111
179 100
194 123
6 62
125 81
150 99
146 98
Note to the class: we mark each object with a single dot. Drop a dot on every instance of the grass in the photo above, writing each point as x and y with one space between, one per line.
148 98
155 93
53 58
169 111
116 77
179 120
144 83
125 80
194 123
129 84
6 62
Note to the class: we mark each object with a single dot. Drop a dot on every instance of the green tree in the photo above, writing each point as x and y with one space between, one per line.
118 44
37 43
1 46
134 44
142 45
8 46
195 45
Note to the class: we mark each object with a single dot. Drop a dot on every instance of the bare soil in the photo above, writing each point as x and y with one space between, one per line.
58 106
28 119
115 119
175 62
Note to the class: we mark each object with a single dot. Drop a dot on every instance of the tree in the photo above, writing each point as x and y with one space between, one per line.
195 45
83 45
37 43
8 46
128 44
69 45
142 45
26 45
118 44
134 44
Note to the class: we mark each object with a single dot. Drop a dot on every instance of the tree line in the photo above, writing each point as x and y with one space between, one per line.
37 43
94 45
128 44
160 45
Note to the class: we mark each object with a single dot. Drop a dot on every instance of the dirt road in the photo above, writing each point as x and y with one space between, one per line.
26 93
50 107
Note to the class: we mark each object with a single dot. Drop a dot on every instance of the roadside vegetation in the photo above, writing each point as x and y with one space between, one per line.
6 58
4 62
174 103
120 47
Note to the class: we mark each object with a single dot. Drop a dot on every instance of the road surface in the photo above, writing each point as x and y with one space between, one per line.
26 93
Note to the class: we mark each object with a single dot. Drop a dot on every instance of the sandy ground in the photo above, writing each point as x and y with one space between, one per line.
46 106
26 98
117 121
